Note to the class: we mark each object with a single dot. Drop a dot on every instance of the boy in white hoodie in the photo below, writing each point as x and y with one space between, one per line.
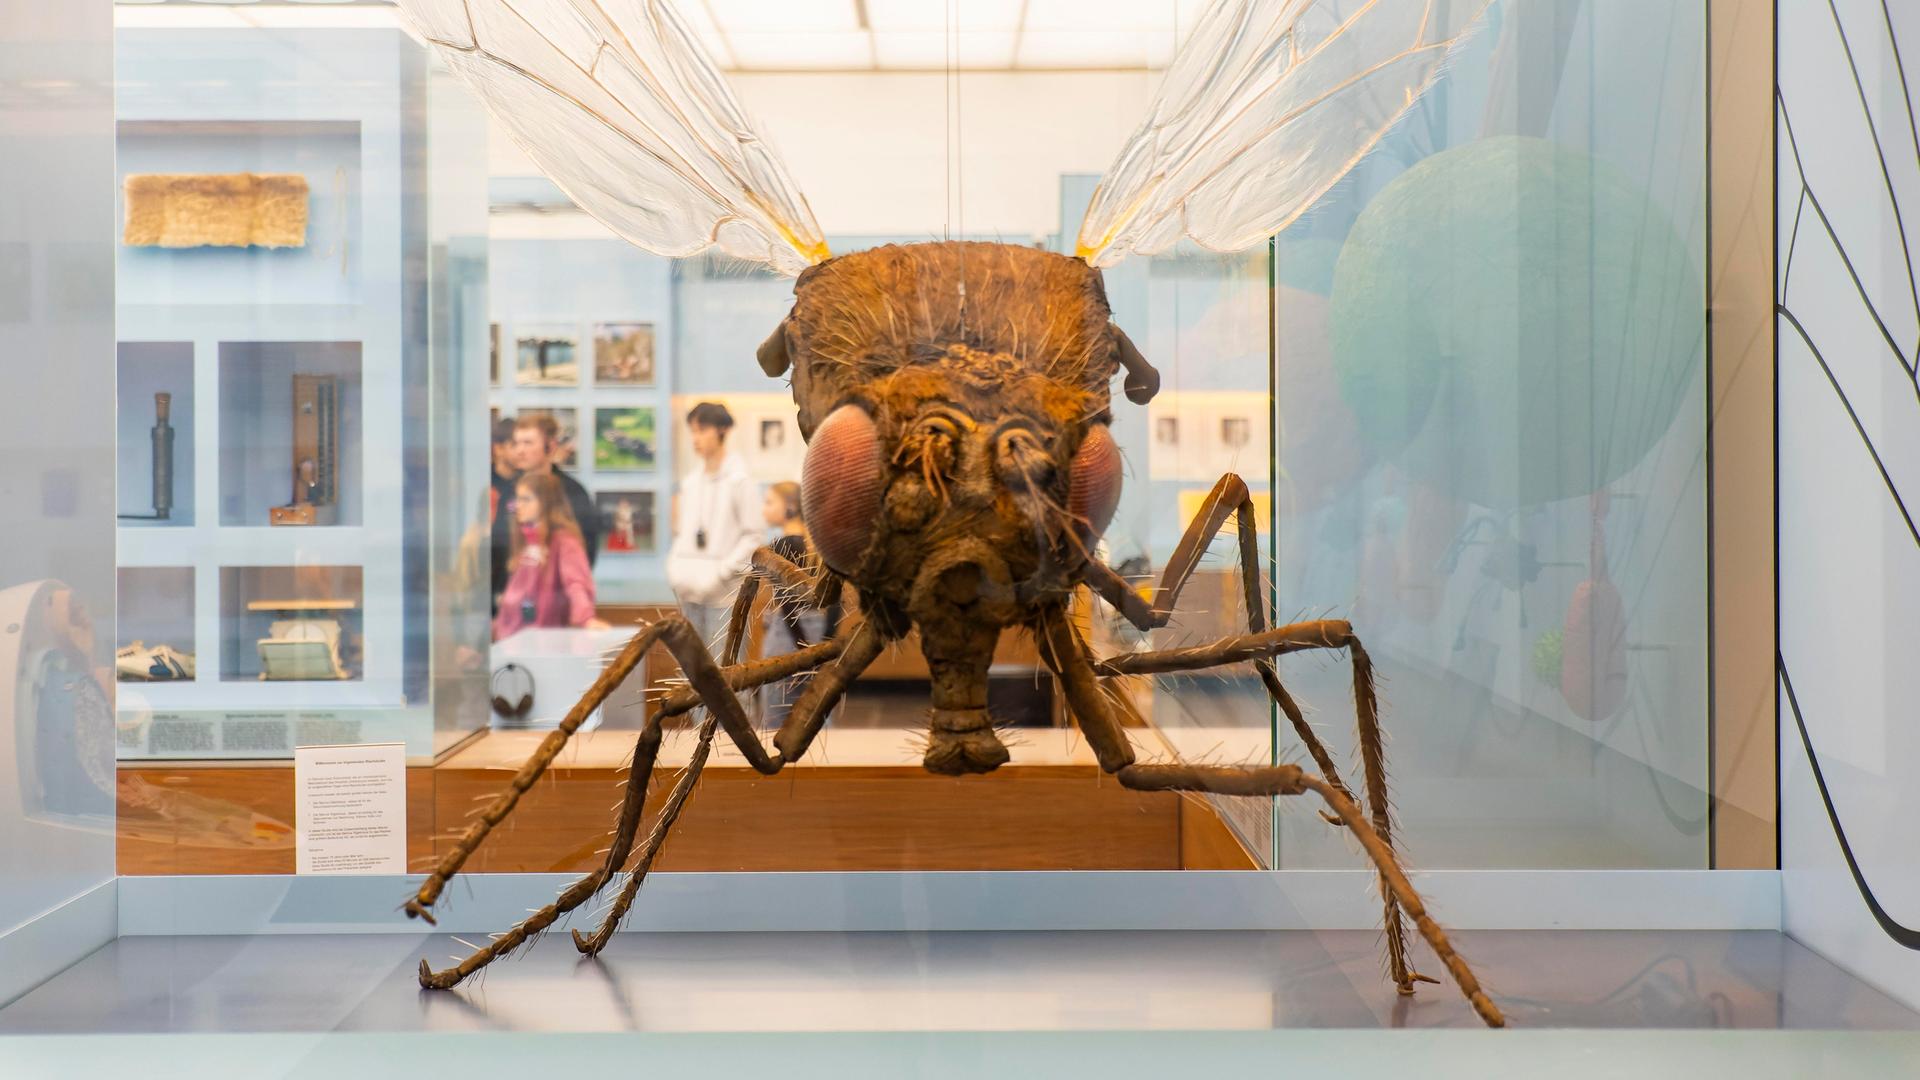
716 525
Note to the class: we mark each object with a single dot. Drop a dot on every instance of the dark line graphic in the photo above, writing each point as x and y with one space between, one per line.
1899 65
1793 239
1903 935
1885 477
1839 247
1873 132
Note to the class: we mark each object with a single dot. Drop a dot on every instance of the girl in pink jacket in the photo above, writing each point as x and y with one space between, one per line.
549 582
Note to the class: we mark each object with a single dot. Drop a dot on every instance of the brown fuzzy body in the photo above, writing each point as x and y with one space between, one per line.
859 318
983 368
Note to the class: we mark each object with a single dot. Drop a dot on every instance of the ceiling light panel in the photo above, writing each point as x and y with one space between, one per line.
791 51
1096 16
983 16
772 16
1118 49
927 50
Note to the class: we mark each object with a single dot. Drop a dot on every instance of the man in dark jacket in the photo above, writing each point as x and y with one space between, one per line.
505 475
536 443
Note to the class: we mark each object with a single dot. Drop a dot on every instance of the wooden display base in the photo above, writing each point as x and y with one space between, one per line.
867 806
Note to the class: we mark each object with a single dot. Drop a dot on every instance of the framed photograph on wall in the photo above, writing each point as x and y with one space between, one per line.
623 354
567 442
493 354
624 439
773 435
627 522
1235 431
546 356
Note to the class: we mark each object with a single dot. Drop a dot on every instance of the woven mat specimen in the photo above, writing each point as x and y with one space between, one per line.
183 210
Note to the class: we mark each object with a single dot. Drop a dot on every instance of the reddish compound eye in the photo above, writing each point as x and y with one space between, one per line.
841 485
1094 493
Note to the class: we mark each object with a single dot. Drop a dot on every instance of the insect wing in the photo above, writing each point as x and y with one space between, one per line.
1268 104
619 105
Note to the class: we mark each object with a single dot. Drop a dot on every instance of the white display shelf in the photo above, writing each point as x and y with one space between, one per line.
265 545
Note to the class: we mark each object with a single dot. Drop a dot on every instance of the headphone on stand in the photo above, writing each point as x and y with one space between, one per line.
504 708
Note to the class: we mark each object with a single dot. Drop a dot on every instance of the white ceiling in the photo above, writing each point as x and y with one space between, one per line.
825 35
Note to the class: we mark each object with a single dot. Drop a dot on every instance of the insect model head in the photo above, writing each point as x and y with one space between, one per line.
959 467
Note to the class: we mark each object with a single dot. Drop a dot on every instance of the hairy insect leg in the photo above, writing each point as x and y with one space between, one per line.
669 813
861 646
706 678
1293 780
809 713
710 684
1229 498
1065 653
645 752
1261 648
421 903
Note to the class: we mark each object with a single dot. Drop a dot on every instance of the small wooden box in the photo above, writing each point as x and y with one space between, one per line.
300 514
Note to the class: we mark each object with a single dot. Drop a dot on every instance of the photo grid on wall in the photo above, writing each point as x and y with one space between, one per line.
599 381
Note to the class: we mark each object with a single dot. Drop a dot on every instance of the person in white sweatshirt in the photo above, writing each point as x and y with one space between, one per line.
716 525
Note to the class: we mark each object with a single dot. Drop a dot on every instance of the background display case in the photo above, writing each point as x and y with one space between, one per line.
323 461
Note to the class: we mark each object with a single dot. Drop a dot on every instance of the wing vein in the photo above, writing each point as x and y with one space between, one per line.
620 107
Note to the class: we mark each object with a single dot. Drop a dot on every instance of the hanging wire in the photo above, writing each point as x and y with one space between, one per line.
946 119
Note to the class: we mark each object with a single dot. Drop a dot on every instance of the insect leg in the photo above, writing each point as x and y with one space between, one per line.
645 752
1260 648
1068 658
421 903
669 813
711 685
1395 884
1229 497
861 645
823 692
1292 780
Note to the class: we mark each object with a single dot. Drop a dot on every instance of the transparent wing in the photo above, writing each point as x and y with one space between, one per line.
618 104
1268 104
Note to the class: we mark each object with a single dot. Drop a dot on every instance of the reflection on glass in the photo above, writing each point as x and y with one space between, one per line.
1492 430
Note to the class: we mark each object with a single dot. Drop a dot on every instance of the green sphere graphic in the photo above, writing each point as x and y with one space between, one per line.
1514 322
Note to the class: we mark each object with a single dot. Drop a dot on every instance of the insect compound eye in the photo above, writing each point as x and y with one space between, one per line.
1094 485
841 485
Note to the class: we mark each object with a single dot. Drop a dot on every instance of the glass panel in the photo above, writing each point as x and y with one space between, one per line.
1479 437
1492 441
301 305
56 547
328 568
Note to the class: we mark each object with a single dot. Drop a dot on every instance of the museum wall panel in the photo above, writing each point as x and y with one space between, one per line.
57 586
1848 218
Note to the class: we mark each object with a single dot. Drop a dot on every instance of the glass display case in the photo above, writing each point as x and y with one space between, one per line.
409 441
296 464
316 576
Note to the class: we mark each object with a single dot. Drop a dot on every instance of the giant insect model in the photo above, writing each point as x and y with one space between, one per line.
955 396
